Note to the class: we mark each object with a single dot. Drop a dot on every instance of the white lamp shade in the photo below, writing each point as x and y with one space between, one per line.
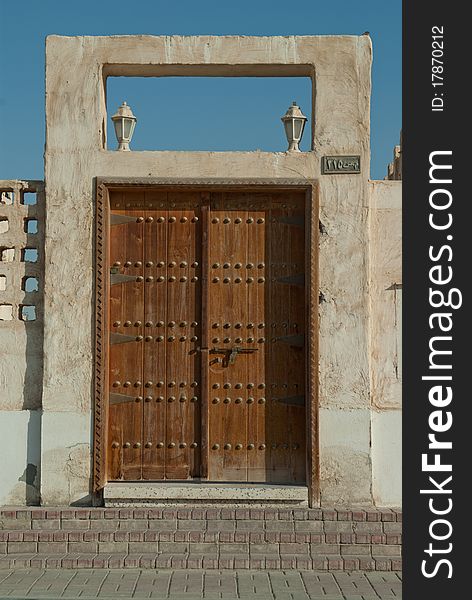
124 122
294 123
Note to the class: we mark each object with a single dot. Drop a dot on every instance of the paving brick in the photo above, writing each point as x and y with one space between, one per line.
308 526
221 526
329 515
366 563
192 525
210 563
383 564
142 547
15 524
52 547
393 539
163 525
83 547
386 550
288 562
178 562
320 563
369 527
147 561
339 526
115 561
173 548
3 547
199 514
335 563
75 524
132 561
356 549
359 515
396 564
284 525
393 527
324 549
21 547
132 525
203 549
112 547
378 539
287 537
373 515
195 561
294 548
240 548
304 562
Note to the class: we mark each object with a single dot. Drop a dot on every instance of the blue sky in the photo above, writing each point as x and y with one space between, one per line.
25 24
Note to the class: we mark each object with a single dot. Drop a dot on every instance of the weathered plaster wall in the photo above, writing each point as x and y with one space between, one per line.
21 340
386 329
75 119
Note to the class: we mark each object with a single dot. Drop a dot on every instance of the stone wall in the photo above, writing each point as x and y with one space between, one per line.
21 338
386 341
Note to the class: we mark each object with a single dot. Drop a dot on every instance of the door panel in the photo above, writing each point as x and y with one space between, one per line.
253 361
126 352
256 324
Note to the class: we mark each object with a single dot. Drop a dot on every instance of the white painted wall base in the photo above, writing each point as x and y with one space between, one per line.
20 432
66 458
387 458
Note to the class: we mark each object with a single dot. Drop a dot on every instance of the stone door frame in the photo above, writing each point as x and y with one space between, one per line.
101 294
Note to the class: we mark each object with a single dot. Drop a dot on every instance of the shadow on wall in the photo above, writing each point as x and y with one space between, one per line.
31 474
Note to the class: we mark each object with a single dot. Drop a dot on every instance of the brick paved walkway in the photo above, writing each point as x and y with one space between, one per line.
196 585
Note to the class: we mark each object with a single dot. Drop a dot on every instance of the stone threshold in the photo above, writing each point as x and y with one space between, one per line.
126 494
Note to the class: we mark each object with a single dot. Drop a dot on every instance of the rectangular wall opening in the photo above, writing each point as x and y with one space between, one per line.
209 113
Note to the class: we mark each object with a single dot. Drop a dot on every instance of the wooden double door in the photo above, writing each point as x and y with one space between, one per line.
207 319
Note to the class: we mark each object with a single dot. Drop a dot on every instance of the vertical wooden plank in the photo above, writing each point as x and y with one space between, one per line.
126 359
155 318
183 377
216 334
255 328
206 334
277 326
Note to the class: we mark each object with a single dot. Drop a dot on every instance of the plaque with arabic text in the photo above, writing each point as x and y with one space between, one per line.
340 164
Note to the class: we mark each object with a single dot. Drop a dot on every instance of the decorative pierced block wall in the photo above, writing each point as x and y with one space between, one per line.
21 296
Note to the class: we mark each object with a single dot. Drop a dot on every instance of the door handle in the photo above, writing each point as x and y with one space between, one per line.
232 353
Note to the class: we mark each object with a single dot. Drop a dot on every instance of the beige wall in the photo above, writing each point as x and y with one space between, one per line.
386 329
75 154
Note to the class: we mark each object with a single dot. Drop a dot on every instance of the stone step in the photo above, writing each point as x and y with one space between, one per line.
170 561
120 494
249 536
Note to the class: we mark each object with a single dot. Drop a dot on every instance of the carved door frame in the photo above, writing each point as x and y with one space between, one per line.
101 295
